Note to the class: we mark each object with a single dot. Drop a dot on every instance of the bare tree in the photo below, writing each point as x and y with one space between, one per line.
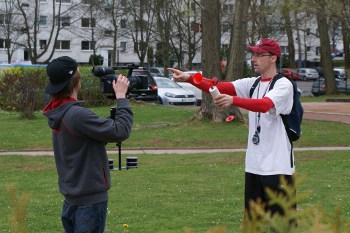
186 33
140 21
326 59
113 15
164 22
286 9
9 22
238 41
345 22
30 28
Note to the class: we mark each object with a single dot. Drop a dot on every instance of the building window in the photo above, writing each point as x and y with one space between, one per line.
65 21
87 22
226 27
123 23
5 43
308 48
284 49
196 27
63 1
42 44
43 21
3 19
123 46
62 45
140 46
318 51
87 45
308 31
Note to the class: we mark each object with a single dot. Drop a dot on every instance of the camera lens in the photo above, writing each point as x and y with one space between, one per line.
99 71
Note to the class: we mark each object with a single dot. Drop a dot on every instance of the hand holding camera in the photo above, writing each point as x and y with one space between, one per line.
120 86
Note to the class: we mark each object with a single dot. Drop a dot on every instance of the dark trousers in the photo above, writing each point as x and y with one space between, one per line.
89 218
255 189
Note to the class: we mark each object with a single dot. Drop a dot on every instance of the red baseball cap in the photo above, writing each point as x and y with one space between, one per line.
266 46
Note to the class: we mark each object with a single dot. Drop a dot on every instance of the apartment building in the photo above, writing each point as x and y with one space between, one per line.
85 29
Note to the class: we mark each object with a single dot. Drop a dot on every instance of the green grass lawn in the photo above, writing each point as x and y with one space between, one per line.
157 126
170 192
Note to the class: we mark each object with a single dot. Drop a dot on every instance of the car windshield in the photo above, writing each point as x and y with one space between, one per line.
166 83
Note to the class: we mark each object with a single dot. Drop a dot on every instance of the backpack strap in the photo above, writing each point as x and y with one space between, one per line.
255 84
284 117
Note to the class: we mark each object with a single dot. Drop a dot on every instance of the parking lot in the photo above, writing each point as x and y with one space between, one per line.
305 86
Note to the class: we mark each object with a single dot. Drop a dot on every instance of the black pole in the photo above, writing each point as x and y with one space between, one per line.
119 144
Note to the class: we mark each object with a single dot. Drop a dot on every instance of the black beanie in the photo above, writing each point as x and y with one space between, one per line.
60 71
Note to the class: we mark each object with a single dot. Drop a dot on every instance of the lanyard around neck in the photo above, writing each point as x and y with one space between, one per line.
257 96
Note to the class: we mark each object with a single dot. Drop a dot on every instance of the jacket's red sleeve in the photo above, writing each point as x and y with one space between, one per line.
254 105
223 87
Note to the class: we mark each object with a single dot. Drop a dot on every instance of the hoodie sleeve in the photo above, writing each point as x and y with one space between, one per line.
85 123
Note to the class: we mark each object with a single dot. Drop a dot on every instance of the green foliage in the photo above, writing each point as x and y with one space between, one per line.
90 89
22 89
96 59
309 220
338 63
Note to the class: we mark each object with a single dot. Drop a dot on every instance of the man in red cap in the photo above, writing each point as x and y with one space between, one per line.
269 154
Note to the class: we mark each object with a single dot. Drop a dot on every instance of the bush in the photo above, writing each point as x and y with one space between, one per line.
22 89
96 60
90 89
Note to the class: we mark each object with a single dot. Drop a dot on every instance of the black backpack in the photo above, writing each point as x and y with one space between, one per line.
292 121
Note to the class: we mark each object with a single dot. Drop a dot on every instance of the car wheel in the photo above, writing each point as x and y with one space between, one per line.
160 100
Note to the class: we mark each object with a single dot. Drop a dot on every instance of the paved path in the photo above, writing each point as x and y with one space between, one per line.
171 151
327 111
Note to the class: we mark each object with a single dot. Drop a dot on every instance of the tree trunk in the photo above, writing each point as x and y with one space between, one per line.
211 60
289 31
346 33
326 59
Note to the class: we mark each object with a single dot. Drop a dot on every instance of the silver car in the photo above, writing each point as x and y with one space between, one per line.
170 93
308 74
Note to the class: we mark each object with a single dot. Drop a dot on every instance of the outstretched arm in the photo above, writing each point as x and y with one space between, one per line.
254 105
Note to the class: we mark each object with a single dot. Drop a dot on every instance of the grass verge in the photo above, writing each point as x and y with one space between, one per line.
157 126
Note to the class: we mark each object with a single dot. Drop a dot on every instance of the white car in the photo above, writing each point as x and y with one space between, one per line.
170 93
196 90
341 73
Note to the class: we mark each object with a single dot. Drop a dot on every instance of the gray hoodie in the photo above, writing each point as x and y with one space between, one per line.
79 138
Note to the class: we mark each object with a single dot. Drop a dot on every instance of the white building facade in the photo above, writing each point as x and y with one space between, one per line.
80 33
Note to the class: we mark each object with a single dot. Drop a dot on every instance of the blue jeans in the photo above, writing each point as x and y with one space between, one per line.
86 218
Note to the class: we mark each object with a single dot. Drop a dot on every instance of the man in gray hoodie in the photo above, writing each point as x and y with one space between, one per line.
79 138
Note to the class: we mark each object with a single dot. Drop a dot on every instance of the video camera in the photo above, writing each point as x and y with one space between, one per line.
107 75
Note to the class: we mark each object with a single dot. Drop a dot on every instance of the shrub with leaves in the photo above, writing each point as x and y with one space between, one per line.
90 89
308 220
22 89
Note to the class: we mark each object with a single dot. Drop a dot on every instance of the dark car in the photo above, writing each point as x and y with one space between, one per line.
290 73
319 87
148 93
